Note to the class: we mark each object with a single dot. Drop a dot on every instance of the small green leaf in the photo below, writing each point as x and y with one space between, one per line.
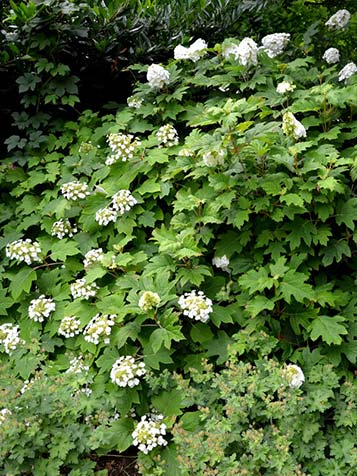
120 434
255 281
22 281
63 248
169 403
258 304
346 212
293 285
328 328
292 199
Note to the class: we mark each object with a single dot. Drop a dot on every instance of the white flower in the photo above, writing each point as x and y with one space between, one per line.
62 228
167 136
347 71
77 366
149 432
24 250
185 153
230 50
125 372
74 190
80 289
105 215
274 44
181 52
9 337
93 256
246 52
285 87
123 201
99 326
41 308
149 300
221 262
69 326
331 56
4 413
196 305
213 158
28 384
294 375
292 127
338 20
123 146
193 52
134 102
86 391
157 76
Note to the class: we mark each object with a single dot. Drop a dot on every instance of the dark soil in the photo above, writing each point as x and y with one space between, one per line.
117 465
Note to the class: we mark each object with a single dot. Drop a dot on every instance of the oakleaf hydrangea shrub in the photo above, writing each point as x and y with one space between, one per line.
234 213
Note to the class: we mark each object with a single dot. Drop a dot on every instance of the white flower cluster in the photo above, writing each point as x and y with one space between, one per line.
149 300
9 337
285 87
23 250
294 375
123 147
77 366
122 202
339 20
196 305
93 256
125 372
4 413
80 289
62 228
349 70
100 325
292 127
246 52
331 56
221 262
105 215
134 102
274 44
149 433
213 158
193 52
69 326
157 76
41 308
167 136
74 190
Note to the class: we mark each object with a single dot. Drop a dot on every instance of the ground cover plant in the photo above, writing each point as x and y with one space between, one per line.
179 277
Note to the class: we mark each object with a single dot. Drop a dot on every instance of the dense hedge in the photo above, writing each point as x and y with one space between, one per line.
179 275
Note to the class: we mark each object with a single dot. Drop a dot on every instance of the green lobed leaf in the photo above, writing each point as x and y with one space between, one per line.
328 328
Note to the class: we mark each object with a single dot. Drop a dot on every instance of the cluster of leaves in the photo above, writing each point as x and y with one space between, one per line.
52 427
282 212
246 420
